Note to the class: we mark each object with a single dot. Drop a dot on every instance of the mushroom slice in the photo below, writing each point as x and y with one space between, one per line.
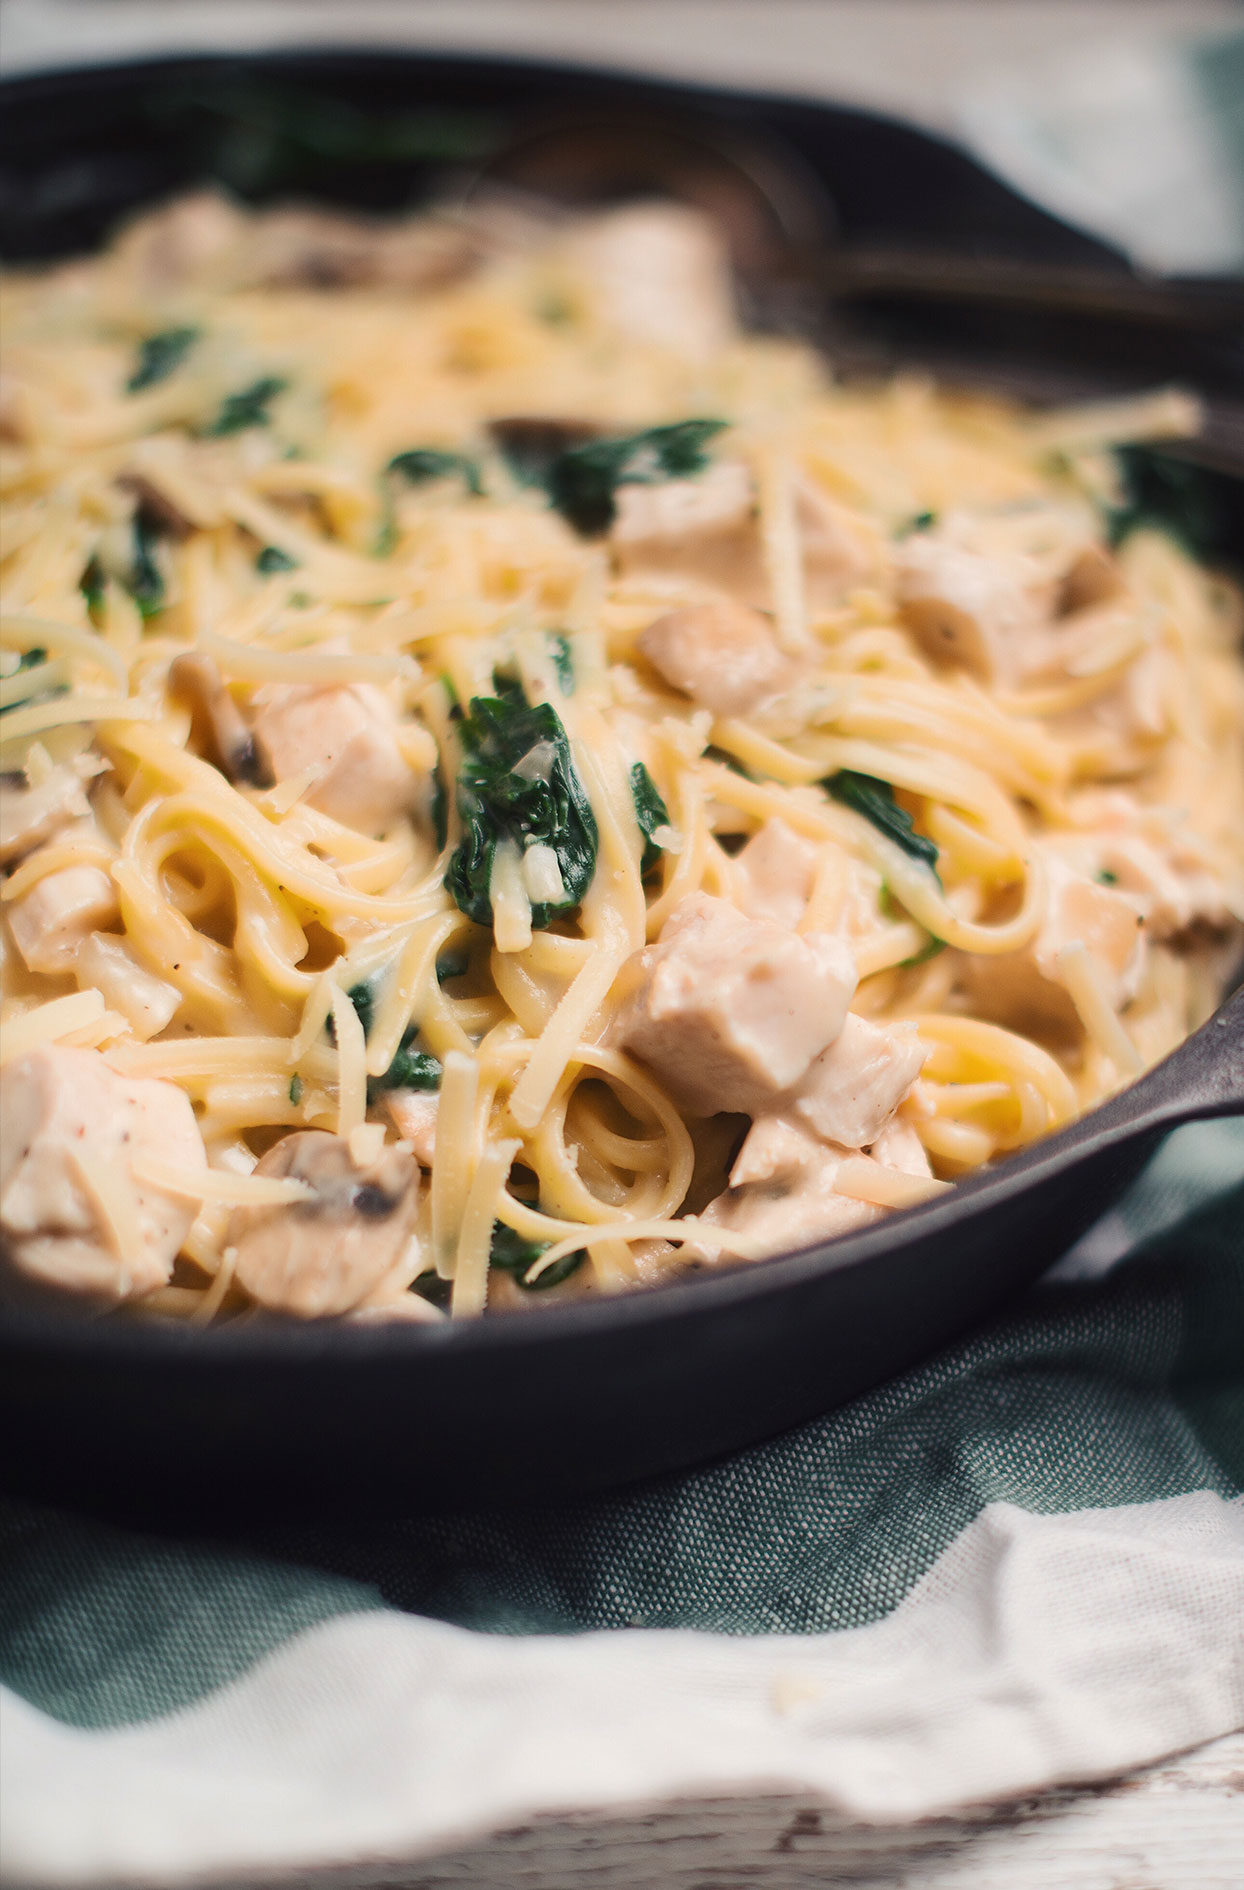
197 679
322 1256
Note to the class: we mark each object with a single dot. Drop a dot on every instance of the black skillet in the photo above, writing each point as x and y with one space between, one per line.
926 258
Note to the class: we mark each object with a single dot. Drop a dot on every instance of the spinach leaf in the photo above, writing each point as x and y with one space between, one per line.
581 482
92 584
439 810
1173 495
651 813
875 800
518 782
295 1089
422 464
919 522
145 580
410 1068
563 661
452 965
159 355
529 444
32 659
510 1253
247 408
272 559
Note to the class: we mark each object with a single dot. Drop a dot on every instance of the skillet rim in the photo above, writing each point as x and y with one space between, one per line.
1129 1114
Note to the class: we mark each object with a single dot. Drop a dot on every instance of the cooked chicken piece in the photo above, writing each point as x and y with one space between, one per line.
50 921
969 608
72 1215
854 1086
413 1112
222 728
30 814
840 549
782 1193
1025 990
728 1011
347 736
899 1146
662 275
992 594
702 528
202 239
106 964
183 242
723 655
1153 857
323 1256
319 249
778 866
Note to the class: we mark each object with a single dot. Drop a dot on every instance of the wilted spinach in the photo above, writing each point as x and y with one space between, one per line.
563 662
410 1068
651 813
510 1253
874 799
1172 495
159 355
422 464
582 481
518 782
145 580
32 659
272 559
247 408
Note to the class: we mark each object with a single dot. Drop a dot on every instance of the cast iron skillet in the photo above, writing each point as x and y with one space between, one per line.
594 1393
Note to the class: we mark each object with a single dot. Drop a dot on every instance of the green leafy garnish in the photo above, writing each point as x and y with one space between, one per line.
295 1089
452 965
33 659
1171 495
272 559
725 759
1106 878
510 1253
159 355
563 661
422 464
410 1068
518 782
92 585
874 799
145 581
651 813
247 408
920 522
582 481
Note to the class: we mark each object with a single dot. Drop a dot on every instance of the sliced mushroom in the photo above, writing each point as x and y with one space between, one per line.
320 1257
197 679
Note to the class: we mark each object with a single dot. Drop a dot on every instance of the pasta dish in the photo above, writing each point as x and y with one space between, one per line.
514 787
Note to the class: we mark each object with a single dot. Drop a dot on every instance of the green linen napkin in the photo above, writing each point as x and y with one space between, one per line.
1021 1563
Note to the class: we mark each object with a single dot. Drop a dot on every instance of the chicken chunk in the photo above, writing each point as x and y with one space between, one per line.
723 655
778 867
73 1217
1025 990
1151 856
702 528
50 921
348 736
968 608
854 1086
323 1256
782 1193
662 275
728 1011
106 964
32 813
